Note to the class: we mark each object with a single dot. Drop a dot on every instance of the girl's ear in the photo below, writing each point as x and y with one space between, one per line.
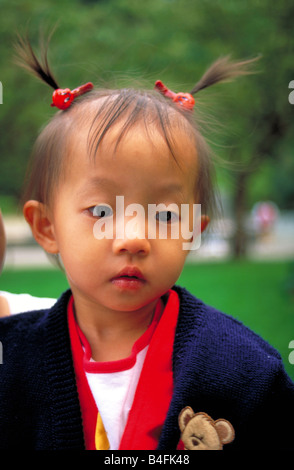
38 217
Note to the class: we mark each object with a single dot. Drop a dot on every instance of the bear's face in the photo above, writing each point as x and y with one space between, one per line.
201 432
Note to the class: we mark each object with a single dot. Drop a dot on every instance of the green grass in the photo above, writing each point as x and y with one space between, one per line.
260 294
38 282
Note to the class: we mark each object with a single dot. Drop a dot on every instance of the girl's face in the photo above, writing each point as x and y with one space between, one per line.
130 269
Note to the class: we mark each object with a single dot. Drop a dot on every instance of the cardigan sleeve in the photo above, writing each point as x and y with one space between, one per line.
271 426
23 412
38 395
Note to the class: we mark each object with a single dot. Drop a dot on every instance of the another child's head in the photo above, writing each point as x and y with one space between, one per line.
129 147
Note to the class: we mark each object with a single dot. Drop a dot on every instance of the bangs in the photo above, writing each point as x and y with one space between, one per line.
127 108
122 110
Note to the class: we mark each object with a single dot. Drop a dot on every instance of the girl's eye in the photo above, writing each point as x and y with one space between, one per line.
167 216
101 211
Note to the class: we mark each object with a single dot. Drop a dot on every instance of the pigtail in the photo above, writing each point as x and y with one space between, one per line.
223 70
26 58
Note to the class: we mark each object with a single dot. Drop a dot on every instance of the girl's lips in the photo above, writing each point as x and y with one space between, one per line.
129 278
130 272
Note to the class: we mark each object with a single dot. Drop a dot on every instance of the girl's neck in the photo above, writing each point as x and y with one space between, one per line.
111 334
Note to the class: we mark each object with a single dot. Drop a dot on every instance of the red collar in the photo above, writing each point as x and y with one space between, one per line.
155 386
122 364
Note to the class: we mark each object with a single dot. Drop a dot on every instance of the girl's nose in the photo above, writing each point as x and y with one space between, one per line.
133 246
131 236
133 240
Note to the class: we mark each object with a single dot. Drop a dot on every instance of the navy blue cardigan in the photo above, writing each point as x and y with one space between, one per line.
220 368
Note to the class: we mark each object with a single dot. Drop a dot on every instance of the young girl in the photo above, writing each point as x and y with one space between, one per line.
125 359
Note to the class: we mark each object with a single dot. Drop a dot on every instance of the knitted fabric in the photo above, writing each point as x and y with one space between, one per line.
220 367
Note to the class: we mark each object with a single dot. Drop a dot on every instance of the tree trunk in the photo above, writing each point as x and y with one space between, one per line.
240 239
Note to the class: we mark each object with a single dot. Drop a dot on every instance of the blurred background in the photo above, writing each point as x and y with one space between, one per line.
245 265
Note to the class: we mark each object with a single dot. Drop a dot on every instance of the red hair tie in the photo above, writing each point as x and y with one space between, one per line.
62 98
185 100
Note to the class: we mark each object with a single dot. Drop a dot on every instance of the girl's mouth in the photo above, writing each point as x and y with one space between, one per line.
129 278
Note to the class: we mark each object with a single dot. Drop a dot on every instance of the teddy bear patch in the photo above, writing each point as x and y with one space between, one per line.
200 432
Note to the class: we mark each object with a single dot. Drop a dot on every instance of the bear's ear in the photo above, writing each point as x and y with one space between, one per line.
184 417
225 430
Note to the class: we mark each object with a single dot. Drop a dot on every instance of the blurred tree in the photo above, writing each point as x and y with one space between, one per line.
116 42
264 126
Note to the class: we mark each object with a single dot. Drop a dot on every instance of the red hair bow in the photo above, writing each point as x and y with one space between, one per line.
185 100
62 98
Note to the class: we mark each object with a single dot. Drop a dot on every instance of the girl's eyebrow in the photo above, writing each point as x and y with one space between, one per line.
96 183
171 189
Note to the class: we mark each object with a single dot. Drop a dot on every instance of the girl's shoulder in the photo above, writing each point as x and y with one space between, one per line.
31 323
220 332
